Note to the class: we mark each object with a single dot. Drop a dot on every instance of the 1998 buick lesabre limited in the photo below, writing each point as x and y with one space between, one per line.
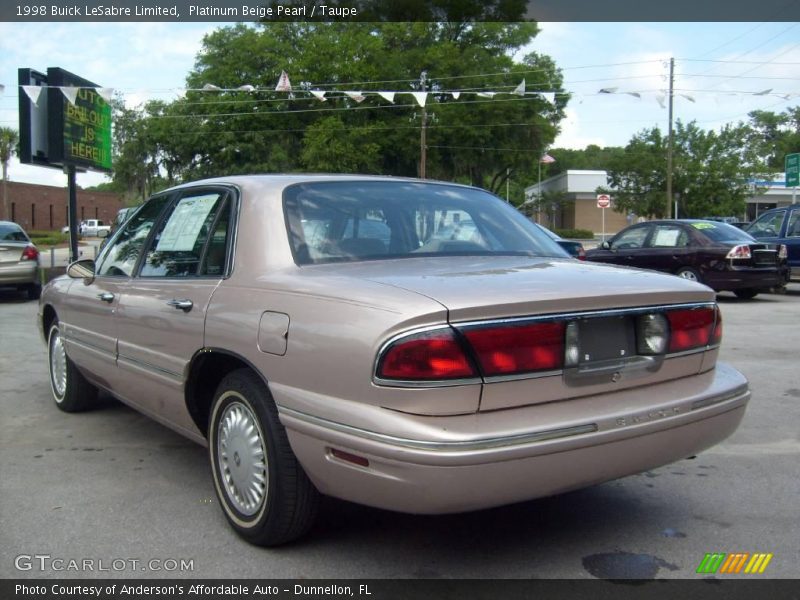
409 345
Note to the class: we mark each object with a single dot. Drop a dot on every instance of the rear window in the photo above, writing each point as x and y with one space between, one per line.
368 220
722 232
12 233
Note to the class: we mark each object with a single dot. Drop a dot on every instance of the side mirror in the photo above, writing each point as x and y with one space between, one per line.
605 246
82 269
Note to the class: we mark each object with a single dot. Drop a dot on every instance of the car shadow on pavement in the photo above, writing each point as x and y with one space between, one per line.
13 296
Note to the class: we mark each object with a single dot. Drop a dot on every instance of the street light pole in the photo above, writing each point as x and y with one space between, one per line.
670 140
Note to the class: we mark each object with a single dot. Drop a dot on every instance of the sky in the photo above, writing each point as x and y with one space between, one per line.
722 72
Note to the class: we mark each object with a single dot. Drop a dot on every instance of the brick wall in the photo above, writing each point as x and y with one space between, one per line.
43 207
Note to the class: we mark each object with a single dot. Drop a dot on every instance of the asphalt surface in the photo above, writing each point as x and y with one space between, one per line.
112 485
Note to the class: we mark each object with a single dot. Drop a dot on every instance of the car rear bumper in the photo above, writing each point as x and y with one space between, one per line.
19 273
737 279
470 462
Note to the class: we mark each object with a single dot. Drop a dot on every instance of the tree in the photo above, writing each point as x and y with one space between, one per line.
712 172
773 136
9 138
474 140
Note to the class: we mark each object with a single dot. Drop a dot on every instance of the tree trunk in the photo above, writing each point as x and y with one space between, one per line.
6 214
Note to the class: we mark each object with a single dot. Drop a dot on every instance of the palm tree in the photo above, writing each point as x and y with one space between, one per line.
8 147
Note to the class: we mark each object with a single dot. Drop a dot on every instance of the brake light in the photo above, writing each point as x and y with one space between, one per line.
783 253
581 253
741 251
690 328
30 253
509 349
428 356
716 337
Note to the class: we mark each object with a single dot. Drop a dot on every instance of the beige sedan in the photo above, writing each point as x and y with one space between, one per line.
409 345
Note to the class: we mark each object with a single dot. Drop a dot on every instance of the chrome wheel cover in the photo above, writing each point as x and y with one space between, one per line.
58 365
241 457
688 275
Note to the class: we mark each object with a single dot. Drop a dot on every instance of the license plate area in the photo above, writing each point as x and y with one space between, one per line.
603 339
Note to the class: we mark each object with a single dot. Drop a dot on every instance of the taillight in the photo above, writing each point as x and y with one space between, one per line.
510 349
783 252
716 337
30 253
690 328
581 253
741 251
427 356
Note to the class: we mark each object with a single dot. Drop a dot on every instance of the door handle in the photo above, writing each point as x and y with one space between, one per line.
106 297
184 305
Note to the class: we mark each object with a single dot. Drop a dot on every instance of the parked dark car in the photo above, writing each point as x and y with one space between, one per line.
780 226
575 249
717 254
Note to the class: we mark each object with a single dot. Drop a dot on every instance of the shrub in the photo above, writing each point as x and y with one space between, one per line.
575 234
48 238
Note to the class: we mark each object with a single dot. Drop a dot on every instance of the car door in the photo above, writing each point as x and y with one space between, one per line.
791 238
626 248
88 313
161 316
668 249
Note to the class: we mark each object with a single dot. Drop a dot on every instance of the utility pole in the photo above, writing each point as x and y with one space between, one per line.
423 147
670 140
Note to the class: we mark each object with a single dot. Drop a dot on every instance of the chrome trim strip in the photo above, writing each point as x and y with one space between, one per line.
737 394
456 446
148 367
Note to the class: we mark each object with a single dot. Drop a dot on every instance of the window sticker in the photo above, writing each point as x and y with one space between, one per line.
703 225
184 225
667 237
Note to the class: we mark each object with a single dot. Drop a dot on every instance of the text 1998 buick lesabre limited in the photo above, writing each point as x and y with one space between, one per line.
409 345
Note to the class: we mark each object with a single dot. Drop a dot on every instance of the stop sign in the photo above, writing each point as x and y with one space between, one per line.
603 200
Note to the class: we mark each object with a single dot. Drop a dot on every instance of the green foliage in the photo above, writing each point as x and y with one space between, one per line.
575 234
773 136
48 238
483 143
711 172
593 157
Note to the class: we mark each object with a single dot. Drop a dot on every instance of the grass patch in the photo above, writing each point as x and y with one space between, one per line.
48 238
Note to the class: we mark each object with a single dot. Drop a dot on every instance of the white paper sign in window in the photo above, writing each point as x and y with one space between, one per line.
667 238
185 224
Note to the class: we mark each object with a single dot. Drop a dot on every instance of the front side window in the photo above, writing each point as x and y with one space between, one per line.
120 256
365 220
793 226
768 225
631 239
179 245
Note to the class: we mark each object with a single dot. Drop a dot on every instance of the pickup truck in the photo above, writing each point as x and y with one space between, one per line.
94 228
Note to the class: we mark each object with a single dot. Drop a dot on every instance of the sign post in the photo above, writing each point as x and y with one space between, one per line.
792 169
603 202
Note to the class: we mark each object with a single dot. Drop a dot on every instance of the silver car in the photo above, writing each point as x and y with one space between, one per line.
19 260
326 335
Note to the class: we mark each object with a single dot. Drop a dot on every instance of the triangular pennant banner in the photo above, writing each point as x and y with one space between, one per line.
32 91
319 94
210 87
486 94
388 96
764 93
660 99
2 88
70 93
246 88
549 96
520 89
637 95
105 93
283 83
608 90
420 97
456 95
356 96
688 97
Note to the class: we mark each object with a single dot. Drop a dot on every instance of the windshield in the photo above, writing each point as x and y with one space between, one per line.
366 220
12 233
722 232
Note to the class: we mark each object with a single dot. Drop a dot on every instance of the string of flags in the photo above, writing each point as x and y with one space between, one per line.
358 96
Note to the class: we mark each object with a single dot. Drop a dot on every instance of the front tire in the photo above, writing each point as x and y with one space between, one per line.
71 391
264 492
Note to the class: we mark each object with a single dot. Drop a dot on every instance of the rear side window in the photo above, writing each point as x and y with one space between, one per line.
12 233
721 232
368 220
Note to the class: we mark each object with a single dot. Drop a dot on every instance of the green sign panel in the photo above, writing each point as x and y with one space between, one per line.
792 164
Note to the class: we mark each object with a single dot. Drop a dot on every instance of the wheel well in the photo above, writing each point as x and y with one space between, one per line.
48 318
205 374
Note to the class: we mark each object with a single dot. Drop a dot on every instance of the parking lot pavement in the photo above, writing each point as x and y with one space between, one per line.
112 484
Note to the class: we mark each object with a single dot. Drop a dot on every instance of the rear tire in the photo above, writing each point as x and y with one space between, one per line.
746 294
71 391
264 492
